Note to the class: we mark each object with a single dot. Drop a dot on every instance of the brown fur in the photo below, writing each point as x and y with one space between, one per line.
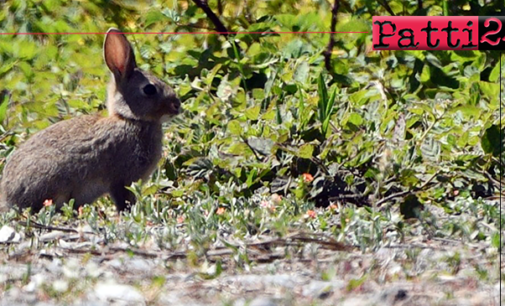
88 156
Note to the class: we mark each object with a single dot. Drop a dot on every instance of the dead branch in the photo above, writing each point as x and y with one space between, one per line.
404 193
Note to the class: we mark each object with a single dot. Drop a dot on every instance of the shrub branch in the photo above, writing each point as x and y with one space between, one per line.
331 43
215 20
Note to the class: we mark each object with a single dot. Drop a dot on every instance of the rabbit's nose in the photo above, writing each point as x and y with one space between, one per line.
176 104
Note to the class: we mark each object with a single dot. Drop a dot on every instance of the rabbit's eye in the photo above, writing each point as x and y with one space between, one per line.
149 89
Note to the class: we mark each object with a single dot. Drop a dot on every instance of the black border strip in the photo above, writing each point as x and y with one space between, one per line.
501 178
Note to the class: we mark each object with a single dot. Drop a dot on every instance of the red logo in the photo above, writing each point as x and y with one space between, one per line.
438 33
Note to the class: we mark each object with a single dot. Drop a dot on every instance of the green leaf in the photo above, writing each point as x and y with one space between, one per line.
323 92
4 103
325 104
150 190
26 68
170 171
27 50
306 151
495 74
294 49
239 148
258 93
355 119
302 72
425 74
251 177
491 142
490 90
496 240
153 16
253 113
262 145
234 127
355 283
7 66
355 24
212 74
430 149
177 193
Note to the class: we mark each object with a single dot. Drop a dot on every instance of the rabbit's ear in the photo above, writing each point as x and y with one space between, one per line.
118 54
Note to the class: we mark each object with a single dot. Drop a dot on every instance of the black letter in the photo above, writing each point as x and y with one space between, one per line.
449 30
382 35
470 45
428 30
410 38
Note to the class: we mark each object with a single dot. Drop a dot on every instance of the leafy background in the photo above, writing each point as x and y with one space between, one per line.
270 141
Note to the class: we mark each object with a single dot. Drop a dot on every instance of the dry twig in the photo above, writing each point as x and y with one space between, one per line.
52 228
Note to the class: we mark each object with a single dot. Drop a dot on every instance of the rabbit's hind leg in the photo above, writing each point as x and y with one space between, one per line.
123 198
88 191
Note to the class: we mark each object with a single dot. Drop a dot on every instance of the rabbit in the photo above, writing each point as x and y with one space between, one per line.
86 157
